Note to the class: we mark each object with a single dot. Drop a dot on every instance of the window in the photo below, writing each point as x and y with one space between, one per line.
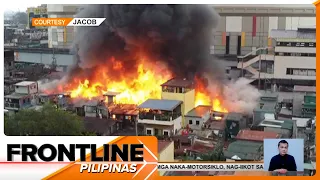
227 44
190 121
165 132
197 122
149 132
301 72
295 54
297 44
239 46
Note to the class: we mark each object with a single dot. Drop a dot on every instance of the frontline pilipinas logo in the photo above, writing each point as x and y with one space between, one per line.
130 157
67 21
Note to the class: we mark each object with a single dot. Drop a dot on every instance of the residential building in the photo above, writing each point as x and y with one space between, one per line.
23 96
256 136
61 37
102 127
234 123
165 152
9 64
36 12
300 108
283 127
180 90
9 71
160 117
197 117
267 108
244 151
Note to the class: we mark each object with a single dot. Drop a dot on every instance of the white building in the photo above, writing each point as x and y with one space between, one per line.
61 37
292 60
295 54
160 117
23 97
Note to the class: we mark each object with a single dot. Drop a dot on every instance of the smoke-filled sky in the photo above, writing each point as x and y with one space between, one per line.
178 35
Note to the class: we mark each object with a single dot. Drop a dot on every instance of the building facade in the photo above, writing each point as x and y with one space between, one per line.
244 28
61 37
37 12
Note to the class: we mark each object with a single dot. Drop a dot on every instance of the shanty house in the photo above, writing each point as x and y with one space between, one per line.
180 90
102 127
268 104
244 151
197 117
125 113
26 87
234 123
160 117
283 127
256 136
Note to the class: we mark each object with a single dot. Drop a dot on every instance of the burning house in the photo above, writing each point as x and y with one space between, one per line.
198 116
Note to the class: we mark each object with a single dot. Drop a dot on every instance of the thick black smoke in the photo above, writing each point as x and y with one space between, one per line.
178 35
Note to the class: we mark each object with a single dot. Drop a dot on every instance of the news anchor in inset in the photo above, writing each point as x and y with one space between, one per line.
283 162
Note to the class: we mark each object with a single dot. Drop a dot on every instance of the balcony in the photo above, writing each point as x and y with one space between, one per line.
158 119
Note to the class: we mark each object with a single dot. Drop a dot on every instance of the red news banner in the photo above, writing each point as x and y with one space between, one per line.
125 157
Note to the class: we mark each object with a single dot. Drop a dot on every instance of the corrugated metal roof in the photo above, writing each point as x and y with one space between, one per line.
175 82
245 150
16 96
25 83
160 104
234 116
275 33
256 135
199 111
301 122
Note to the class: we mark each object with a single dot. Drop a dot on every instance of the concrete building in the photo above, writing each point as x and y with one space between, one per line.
197 117
37 12
61 37
9 64
245 28
23 97
180 90
160 117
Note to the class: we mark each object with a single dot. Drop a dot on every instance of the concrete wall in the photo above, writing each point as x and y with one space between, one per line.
281 63
61 37
167 155
234 26
62 59
188 100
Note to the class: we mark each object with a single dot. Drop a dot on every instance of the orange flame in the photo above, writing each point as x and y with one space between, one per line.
134 88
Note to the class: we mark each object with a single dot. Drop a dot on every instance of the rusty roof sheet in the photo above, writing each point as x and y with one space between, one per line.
251 135
176 82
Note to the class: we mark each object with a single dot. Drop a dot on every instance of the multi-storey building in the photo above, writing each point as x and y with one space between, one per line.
293 61
245 28
61 37
160 117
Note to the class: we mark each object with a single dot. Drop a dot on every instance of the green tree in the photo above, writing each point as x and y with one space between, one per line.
49 121
20 18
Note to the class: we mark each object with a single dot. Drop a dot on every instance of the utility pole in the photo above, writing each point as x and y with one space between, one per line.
259 82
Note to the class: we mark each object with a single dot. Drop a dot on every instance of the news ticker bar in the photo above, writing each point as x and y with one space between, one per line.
67 21
113 166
